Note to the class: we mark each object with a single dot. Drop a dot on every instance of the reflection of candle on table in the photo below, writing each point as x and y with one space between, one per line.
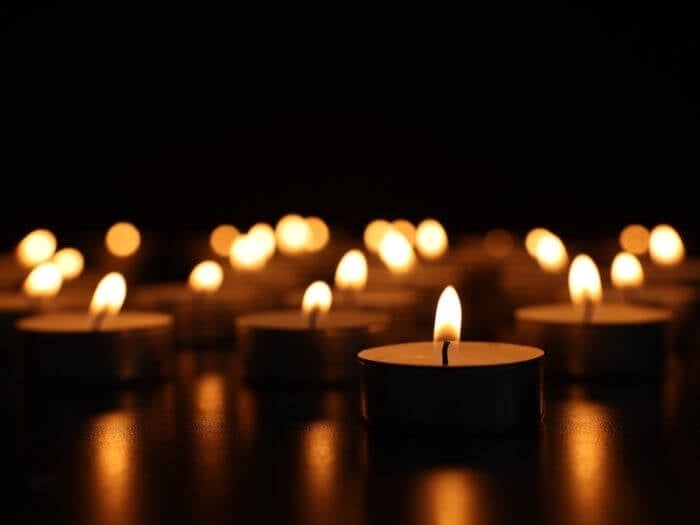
590 338
451 386
314 345
100 346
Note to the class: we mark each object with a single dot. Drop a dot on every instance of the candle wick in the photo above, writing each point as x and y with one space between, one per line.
98 319
445 346
588 307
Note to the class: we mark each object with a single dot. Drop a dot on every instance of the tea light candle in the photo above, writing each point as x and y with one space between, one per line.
593 339
449 386
103 346
315 345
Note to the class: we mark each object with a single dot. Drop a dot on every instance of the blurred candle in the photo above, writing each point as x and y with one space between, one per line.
36 247
70 262
221 239
431 239
665 246
374 233
123 239
634 239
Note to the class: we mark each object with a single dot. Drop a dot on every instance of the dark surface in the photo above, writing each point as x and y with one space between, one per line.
204 448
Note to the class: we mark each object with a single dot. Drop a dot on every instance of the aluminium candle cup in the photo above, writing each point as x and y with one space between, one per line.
279 347
619 341
64 348
487 388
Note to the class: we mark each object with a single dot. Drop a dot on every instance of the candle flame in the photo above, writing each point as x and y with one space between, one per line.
70 261
396 252
448 316
44 280
626 271
248 253
635 239
293 234
405 228
431 239
532 238
123 239
264 235
665 245
207 276
550 253
221 239
351 273
36 247
584 281
374 233
109 295
317 298
320 234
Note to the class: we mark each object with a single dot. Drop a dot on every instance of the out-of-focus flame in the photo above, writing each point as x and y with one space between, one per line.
634 239
448 316
292 234
317 298
320 234
70 262
207 276
584 281
123 239
405 228
396 252
44 280
665 245
36 247
532 238
374 233
248 253
431 239
264 235
221 239
351 273
550 253
626 271
109 295
498 243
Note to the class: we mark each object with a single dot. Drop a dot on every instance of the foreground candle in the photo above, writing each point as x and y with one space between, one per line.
315 345
592 339
100 346
447 386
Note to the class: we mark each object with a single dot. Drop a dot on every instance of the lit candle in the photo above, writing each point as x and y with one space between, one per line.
311 345
36 247
589 338
102 346
450 386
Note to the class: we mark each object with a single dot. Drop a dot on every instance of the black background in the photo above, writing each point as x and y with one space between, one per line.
541 114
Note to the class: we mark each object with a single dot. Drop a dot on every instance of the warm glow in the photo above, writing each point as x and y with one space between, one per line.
396 252
635 239
626 271
207 276
351 273
320 234
264 236
248 253
36 247
70 261
665 245
532 238
317 298
498 243
431 239
551 253
584 281
44 280
221 239
448 316
405 228
293 234
123 239
109 295
374 233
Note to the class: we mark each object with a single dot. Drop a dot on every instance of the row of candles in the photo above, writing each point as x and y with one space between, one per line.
440 385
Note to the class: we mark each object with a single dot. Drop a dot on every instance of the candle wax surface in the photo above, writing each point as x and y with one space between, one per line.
81 322
461 354
295 320
603 314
